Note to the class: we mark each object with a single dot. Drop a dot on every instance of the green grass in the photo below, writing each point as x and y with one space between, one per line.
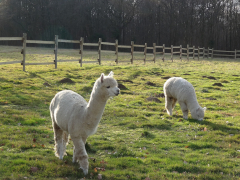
136 138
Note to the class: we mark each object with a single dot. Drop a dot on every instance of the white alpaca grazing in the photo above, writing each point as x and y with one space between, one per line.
71 114
178 89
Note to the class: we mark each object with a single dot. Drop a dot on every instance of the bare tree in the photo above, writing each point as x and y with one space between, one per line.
213 23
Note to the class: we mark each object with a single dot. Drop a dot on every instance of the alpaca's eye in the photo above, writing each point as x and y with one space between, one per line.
108 87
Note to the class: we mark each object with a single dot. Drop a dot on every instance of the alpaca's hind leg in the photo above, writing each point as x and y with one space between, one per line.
174 103
65 142
80 154
168 104
58 138
184 109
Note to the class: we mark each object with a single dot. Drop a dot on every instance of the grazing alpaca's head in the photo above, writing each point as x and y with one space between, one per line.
199 115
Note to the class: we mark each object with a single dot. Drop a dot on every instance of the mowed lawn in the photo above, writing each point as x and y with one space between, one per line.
136 139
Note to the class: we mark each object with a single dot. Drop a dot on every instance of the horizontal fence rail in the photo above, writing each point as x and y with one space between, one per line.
188 52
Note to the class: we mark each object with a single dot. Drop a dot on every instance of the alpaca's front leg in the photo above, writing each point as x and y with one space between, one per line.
74 152
184 109
80 154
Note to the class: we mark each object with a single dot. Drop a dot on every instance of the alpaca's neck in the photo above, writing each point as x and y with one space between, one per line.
193 105
95 107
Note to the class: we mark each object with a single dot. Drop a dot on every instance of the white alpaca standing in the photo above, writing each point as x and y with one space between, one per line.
178 89
71 114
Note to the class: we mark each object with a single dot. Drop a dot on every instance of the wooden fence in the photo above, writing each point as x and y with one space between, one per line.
188 52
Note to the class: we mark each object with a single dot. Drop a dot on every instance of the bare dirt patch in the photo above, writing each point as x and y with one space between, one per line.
160 95
121 86
211 98
165 77
46 84
129 81
153 99
209 77
150 83
218 84
157 74
225 81
66 80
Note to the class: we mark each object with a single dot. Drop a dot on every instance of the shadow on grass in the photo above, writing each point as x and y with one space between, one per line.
186 168
201 146
161 125
214 126
90 149
148 135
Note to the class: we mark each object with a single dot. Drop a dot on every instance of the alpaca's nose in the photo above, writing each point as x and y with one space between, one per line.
118 91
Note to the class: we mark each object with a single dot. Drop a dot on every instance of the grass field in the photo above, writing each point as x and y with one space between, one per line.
136 139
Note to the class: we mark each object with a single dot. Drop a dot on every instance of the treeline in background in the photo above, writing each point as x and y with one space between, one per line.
204 23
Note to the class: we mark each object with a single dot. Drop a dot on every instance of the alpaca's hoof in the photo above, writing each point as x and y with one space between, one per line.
85 171
200 119
185 117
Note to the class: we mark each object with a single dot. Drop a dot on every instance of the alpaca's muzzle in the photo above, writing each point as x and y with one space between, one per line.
118 92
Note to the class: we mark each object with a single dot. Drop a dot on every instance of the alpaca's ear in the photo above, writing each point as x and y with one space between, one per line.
102 77
111 74
204 109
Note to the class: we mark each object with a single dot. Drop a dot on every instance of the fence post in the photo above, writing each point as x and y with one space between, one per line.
172 53
163 49
132 49
187 52
212 53
154 52
81 50
99 50
198 53
208 53
203 52
116 52
56 50
181 52
23 52
193 52
145 53
235 57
